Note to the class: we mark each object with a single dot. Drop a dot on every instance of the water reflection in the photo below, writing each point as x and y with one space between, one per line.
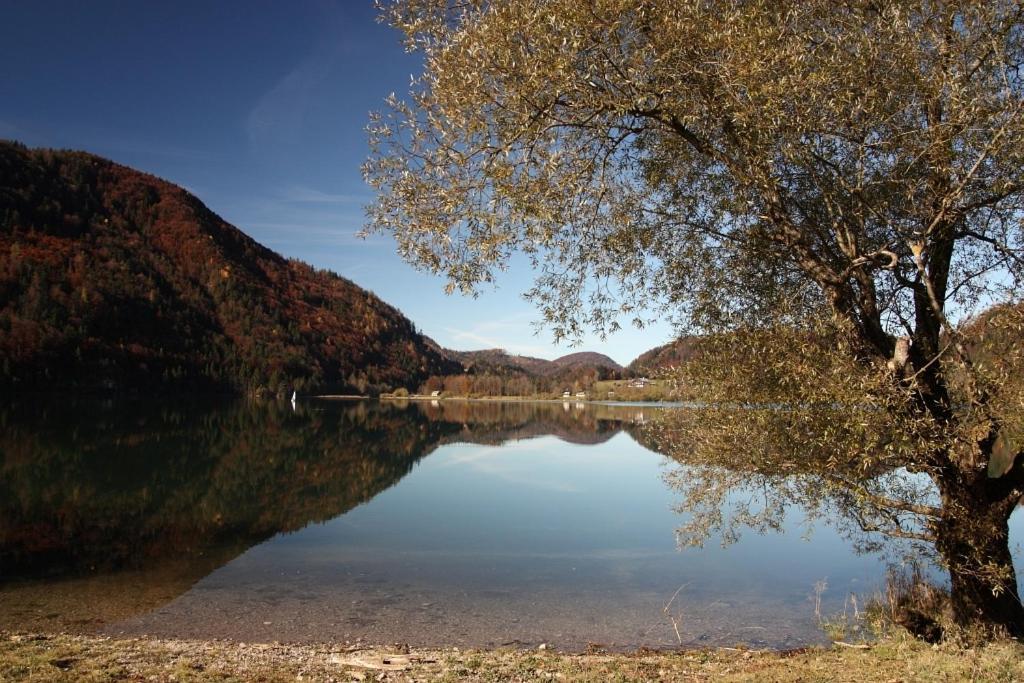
98 487
162 494
529 522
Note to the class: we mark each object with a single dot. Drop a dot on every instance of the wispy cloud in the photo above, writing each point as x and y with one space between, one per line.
497 334
279 113
298 194
307 233
519 470
481 341
303 216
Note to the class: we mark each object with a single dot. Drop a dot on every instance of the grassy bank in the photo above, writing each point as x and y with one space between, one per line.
40 658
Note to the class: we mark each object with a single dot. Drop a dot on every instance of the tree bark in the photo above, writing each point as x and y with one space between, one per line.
973 540
979 602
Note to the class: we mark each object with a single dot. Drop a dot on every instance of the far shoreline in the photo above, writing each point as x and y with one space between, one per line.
525 399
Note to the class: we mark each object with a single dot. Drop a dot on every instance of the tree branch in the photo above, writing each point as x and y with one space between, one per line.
883 501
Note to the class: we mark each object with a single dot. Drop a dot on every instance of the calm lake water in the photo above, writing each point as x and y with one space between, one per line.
450 523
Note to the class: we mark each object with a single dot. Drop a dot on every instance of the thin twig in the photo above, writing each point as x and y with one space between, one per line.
669 603
675 624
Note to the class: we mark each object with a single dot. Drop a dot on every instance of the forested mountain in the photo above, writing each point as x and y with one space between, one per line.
586 359
662 358
114 279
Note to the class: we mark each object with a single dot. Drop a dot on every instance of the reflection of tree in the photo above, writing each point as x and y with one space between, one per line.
820 429
728 482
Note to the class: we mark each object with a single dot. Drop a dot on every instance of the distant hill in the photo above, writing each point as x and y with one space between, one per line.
589 359
114 279
500 361
662 358
494 372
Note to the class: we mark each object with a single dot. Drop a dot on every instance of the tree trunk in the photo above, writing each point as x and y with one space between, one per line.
973 540
979 600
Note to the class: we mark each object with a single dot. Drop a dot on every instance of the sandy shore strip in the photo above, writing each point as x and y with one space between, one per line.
37 657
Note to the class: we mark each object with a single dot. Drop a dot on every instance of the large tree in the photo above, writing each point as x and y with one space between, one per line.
829 192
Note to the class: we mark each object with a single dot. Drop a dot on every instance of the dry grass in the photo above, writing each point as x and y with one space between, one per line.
910 602
36 658
913 603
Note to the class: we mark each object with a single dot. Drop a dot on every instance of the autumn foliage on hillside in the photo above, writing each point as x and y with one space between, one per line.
665 358
114 279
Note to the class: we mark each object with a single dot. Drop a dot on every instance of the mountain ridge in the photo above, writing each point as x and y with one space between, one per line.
114 279
499 357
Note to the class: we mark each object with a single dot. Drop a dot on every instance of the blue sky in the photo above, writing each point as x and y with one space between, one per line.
259 108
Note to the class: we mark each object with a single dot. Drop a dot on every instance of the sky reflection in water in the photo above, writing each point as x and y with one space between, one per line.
455 524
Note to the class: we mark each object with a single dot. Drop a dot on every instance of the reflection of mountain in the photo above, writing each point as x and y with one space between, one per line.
495 422
162 495
111 488
98 486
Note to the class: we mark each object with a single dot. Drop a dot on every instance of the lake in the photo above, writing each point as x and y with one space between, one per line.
426 523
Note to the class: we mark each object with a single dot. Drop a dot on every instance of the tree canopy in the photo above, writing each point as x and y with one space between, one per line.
829 193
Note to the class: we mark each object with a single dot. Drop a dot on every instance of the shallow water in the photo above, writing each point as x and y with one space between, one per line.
453 523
